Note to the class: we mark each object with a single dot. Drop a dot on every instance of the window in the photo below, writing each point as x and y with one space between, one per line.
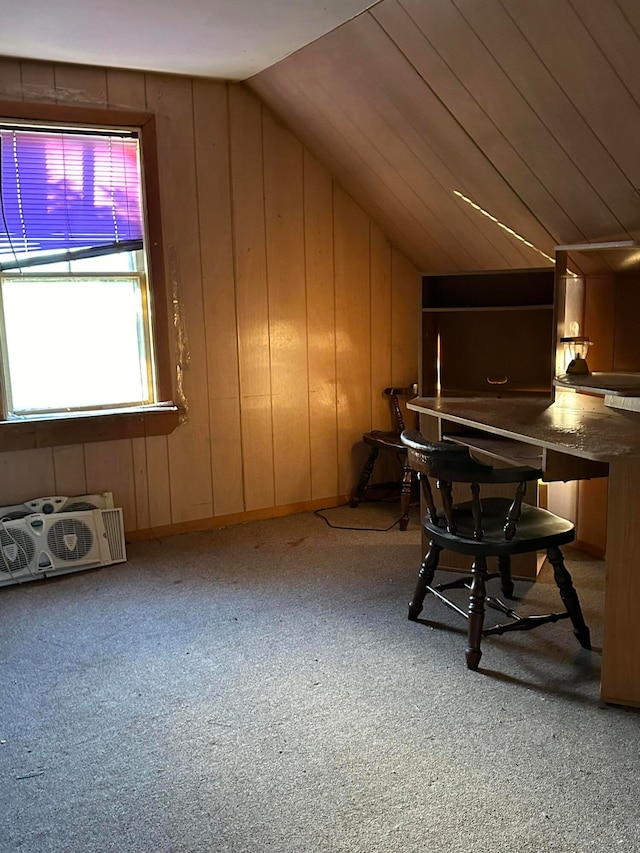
81 317
74 195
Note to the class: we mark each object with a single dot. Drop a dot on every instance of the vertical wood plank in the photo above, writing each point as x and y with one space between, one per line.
591 527
159 481
599 320
250 241
381 313
38 82
321 331
405 325
353 343
109 468
69 470
626 354
126 89
216 249
189 447
562 499
283 189
251 297
141 483
405 319
10 79
151 473
386 469
26 474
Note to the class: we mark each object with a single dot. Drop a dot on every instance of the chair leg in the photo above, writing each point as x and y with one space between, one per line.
405 495
506 582
569 596
425 579
358 495
476 611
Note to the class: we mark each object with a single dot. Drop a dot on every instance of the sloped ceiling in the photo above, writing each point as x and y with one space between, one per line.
225 39
529 111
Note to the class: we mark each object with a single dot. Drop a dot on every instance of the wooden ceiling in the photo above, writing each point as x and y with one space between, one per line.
530 111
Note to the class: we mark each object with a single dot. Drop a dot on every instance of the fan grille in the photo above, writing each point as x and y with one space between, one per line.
70 539
78 506
16 514
16 550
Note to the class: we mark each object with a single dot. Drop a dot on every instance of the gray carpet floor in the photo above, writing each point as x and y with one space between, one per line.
259 688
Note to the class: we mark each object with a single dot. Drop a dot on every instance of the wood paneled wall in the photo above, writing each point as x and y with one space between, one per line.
530 110
292 312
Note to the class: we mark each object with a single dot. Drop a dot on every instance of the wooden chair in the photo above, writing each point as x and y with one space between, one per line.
389 441
481 528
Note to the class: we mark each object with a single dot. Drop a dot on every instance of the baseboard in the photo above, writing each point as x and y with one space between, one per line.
593 550
211 523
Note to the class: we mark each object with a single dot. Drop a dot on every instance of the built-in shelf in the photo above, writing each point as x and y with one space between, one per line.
488 332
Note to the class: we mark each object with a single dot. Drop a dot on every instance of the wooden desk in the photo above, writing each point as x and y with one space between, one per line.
572 437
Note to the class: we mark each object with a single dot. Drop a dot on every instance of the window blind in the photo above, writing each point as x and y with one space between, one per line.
68 190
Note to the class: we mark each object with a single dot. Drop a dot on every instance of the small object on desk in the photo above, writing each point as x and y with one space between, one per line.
577 348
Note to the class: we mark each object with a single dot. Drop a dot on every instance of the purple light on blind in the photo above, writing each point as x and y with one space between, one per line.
68 191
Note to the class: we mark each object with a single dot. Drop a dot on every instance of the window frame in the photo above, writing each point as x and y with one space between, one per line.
158 419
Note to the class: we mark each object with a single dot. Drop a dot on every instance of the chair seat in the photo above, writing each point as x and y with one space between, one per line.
537 530
386 440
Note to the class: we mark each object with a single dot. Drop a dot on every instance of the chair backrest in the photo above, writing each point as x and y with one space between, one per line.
394 394
447 463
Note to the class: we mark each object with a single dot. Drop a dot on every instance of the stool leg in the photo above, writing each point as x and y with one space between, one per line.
405 495
425 579
358 495
476 611
506 583
569 596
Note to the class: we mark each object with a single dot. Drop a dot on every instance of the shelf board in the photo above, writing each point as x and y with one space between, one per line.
616 257
506 449
611 384
474 308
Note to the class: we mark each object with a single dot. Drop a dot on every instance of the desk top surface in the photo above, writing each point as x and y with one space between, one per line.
584 428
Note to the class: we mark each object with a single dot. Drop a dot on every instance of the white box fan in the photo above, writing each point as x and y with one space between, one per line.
40 546
57 503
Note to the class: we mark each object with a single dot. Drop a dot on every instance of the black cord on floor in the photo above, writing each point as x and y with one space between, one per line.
319 512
